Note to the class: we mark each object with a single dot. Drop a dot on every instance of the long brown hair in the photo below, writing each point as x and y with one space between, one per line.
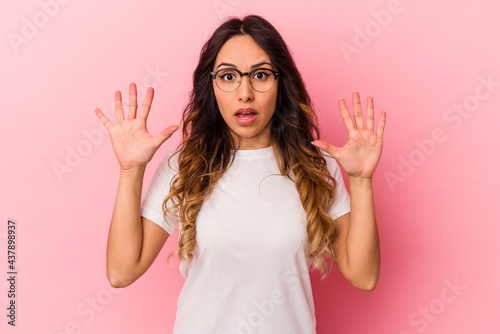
205 152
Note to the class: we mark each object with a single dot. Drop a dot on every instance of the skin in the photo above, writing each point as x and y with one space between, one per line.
242 51
134 241
357 245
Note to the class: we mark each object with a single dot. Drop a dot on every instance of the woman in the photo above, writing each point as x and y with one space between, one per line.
256 199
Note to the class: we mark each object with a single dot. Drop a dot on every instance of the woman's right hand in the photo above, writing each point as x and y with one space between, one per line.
133 145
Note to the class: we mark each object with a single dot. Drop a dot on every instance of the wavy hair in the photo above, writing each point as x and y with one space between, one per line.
205 152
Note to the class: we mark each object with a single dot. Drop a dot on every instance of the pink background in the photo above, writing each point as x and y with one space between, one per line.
436 187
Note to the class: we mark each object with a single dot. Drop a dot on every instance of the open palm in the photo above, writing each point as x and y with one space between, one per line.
360 155
133 145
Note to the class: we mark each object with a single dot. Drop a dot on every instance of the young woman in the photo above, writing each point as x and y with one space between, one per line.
258 198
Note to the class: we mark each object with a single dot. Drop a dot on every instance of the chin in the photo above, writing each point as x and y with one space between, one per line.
246 133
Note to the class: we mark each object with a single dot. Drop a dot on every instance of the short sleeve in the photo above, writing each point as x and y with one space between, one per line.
157 190
342 201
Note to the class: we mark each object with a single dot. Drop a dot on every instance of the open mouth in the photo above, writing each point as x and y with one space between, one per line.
245 115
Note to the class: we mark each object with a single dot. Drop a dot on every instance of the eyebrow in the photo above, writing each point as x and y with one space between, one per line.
253 66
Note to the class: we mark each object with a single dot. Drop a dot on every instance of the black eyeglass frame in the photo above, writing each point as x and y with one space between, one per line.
214 76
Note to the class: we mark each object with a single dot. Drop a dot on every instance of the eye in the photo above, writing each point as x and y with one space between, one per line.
262 75
228 75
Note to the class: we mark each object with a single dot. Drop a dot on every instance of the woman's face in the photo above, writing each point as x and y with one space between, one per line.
254 128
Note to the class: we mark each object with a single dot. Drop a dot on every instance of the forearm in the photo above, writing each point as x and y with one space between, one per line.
363 252
125 233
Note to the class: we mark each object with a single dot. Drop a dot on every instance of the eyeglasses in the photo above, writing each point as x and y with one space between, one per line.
229 79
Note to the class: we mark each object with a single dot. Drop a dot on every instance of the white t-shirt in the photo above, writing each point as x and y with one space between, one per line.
250 269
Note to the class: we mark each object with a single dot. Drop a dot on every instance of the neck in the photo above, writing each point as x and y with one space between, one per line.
261 140
253 143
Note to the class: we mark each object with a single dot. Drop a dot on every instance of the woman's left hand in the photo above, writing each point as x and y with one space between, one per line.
360 155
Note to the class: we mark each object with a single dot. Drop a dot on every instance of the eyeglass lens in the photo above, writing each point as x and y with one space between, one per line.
261 80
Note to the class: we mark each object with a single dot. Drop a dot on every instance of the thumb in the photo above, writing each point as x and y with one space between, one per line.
165 134
325 146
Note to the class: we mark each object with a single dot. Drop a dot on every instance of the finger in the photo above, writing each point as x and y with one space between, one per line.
146 104
132 98
118 106
325 146
346 117
358 114
165 134
369 113
381 124
104 120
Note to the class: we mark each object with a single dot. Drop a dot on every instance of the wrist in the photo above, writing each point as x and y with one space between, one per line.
133 172
359 180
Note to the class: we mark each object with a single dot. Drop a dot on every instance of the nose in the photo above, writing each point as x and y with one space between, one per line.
245 90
